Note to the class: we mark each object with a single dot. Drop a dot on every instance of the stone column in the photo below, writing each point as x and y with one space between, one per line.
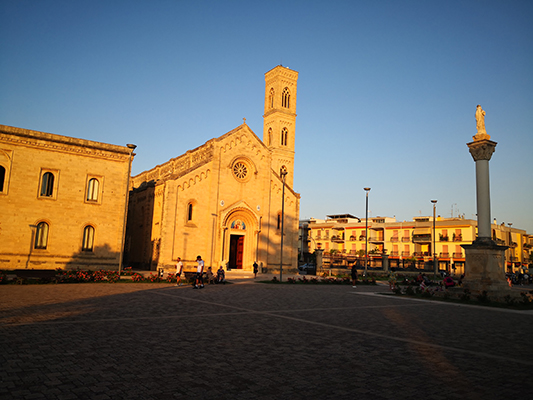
481 151
484 266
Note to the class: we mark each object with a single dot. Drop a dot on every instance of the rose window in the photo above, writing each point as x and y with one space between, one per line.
240 170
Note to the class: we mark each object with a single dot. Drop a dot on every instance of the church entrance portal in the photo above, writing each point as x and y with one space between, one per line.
236 247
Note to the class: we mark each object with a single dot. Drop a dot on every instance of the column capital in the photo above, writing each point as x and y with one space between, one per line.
481 149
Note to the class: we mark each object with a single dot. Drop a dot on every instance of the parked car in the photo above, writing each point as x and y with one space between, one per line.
307 269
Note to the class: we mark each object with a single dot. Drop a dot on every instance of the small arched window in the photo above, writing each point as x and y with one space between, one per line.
286 98
189 211
271 98
41 236
92 189
279 221
88 239
2 178
284 136
270 136
47 184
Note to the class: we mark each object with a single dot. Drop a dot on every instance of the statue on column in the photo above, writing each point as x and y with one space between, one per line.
480 124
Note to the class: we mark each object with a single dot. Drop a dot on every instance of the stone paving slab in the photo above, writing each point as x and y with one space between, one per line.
255 341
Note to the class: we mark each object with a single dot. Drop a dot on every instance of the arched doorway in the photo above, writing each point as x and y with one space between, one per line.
240 230
236 250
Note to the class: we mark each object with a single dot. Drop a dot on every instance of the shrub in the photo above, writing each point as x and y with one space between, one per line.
397 290
509 300
526 298
483 297
466 295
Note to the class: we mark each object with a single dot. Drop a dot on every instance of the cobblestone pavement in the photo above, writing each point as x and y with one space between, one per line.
255 341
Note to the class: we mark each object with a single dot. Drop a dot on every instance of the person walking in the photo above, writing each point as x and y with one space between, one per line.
256 268
354 274
179 270
199 284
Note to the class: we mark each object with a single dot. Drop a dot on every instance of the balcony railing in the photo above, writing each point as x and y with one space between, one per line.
394 253
421 238
394 239
406 254
444 255
457 238
406 239
375 239
458 255
337 239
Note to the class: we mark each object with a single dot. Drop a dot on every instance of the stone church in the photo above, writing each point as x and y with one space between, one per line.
223 200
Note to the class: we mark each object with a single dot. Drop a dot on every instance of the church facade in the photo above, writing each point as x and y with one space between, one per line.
223 200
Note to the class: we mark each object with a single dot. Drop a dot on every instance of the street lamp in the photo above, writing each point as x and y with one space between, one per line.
283 174
367 189
433 248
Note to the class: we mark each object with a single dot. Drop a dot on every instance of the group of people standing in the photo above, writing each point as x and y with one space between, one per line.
199 278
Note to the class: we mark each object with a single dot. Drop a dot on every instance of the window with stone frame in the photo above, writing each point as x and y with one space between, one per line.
41 236
2 178
286 98
284 136
47 184
93 188
88 239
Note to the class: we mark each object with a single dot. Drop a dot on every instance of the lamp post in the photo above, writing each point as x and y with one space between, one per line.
433 248
132 147
367 189
283 174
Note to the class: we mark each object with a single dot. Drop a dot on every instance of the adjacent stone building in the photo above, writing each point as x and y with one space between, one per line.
62 201
223 200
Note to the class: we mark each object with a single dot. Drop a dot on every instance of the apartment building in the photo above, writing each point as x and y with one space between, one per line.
406 244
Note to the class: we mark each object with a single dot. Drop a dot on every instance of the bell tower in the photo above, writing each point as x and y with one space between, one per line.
279 119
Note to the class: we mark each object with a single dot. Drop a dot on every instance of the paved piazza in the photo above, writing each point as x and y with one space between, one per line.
255 341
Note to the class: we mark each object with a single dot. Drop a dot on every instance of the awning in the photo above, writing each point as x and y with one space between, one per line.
422 231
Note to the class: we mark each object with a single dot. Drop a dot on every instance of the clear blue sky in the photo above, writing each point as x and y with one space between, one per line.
386 95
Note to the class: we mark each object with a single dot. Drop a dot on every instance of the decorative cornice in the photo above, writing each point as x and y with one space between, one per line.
53 142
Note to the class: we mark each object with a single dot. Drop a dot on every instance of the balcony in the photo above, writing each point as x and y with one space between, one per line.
406 254
337 239
394 239
458 255
394 253
353 238
406 239
422 238
457 238
443 238
362 238
375 239
444 255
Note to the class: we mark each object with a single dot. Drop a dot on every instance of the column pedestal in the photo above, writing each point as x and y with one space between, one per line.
485 269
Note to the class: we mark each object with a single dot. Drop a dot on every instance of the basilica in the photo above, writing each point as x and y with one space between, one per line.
228 200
